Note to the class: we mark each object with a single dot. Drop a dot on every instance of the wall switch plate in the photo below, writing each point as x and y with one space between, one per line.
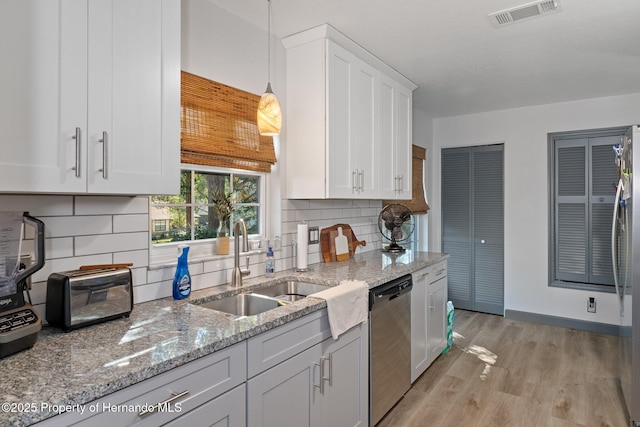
591 305
314 235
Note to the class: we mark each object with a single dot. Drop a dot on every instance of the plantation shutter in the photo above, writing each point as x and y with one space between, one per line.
219 127
585 173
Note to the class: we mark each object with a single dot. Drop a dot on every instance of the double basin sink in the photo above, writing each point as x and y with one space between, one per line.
265 298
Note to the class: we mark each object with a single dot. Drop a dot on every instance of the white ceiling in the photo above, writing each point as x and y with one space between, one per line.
462 64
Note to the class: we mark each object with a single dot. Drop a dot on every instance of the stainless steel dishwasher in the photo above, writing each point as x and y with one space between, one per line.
390 344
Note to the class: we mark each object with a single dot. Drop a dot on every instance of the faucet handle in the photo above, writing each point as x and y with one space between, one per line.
246 271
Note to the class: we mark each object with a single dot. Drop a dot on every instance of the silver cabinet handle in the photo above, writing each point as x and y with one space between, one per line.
440 272
78 138
401 180
104 141
361 179
431 304
321 386
423 275
151 409
354 181
395 184
330 359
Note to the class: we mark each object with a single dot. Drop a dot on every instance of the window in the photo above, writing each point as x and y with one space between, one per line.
190 216
582 189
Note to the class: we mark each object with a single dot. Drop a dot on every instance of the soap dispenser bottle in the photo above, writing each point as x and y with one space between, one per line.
270 264
182 278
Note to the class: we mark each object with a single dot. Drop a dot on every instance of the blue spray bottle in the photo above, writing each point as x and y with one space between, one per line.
182 278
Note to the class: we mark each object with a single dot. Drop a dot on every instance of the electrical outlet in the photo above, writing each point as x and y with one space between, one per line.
314 235
591 305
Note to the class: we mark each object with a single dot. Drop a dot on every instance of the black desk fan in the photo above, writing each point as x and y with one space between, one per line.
396 224
19 322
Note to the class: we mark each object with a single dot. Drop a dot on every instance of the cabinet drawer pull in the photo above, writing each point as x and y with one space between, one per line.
151 409
321 385
104 141
78 138
440 272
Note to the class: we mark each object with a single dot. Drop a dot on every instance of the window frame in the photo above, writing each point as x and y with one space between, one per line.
552 175
166 253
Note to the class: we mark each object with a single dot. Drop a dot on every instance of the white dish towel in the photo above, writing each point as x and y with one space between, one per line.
347 304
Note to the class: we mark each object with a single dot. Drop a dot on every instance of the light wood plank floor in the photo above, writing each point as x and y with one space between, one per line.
503 372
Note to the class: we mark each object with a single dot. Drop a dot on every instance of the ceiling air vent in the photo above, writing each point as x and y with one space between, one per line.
523 12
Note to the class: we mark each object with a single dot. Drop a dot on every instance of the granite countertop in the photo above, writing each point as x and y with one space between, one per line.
86 364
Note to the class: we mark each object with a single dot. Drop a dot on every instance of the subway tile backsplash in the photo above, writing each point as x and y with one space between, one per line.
83 230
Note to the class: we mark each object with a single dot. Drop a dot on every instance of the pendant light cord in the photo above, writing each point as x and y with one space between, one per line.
269 41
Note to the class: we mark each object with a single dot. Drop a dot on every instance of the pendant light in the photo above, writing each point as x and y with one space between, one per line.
269 112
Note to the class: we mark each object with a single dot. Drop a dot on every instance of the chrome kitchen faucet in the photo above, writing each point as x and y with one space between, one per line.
237 274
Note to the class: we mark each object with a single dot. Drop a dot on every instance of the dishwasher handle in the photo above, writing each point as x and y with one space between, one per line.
390 290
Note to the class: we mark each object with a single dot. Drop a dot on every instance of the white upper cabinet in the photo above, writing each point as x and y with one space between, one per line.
352 88
93 96
334 130
395 122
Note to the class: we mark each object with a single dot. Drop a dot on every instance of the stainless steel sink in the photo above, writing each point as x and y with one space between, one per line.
291 290
243 304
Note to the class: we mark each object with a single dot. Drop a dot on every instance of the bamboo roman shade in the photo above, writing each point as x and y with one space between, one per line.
218 126
417 204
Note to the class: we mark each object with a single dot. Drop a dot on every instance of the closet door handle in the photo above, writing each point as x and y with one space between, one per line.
104 141
78 138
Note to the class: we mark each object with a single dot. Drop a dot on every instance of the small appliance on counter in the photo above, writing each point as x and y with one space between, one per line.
87 296
19 322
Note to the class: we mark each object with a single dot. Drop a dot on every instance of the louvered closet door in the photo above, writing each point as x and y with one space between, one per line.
473 226
456 224
488 229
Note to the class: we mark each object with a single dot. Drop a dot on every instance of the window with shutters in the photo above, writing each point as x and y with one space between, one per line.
582 190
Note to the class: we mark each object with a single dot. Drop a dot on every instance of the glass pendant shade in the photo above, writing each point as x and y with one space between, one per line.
269 114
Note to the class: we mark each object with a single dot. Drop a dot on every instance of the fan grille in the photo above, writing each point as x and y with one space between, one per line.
396 224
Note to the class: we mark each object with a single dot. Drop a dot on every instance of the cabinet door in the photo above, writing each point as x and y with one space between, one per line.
387 178
346 397
228 410
44 92
436 318
287 394
394 151
133 107
404 120
352 89
419 308
364 133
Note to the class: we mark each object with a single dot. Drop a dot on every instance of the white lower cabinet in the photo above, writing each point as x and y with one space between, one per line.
215 382
436 319
298 376
324 385
428 317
